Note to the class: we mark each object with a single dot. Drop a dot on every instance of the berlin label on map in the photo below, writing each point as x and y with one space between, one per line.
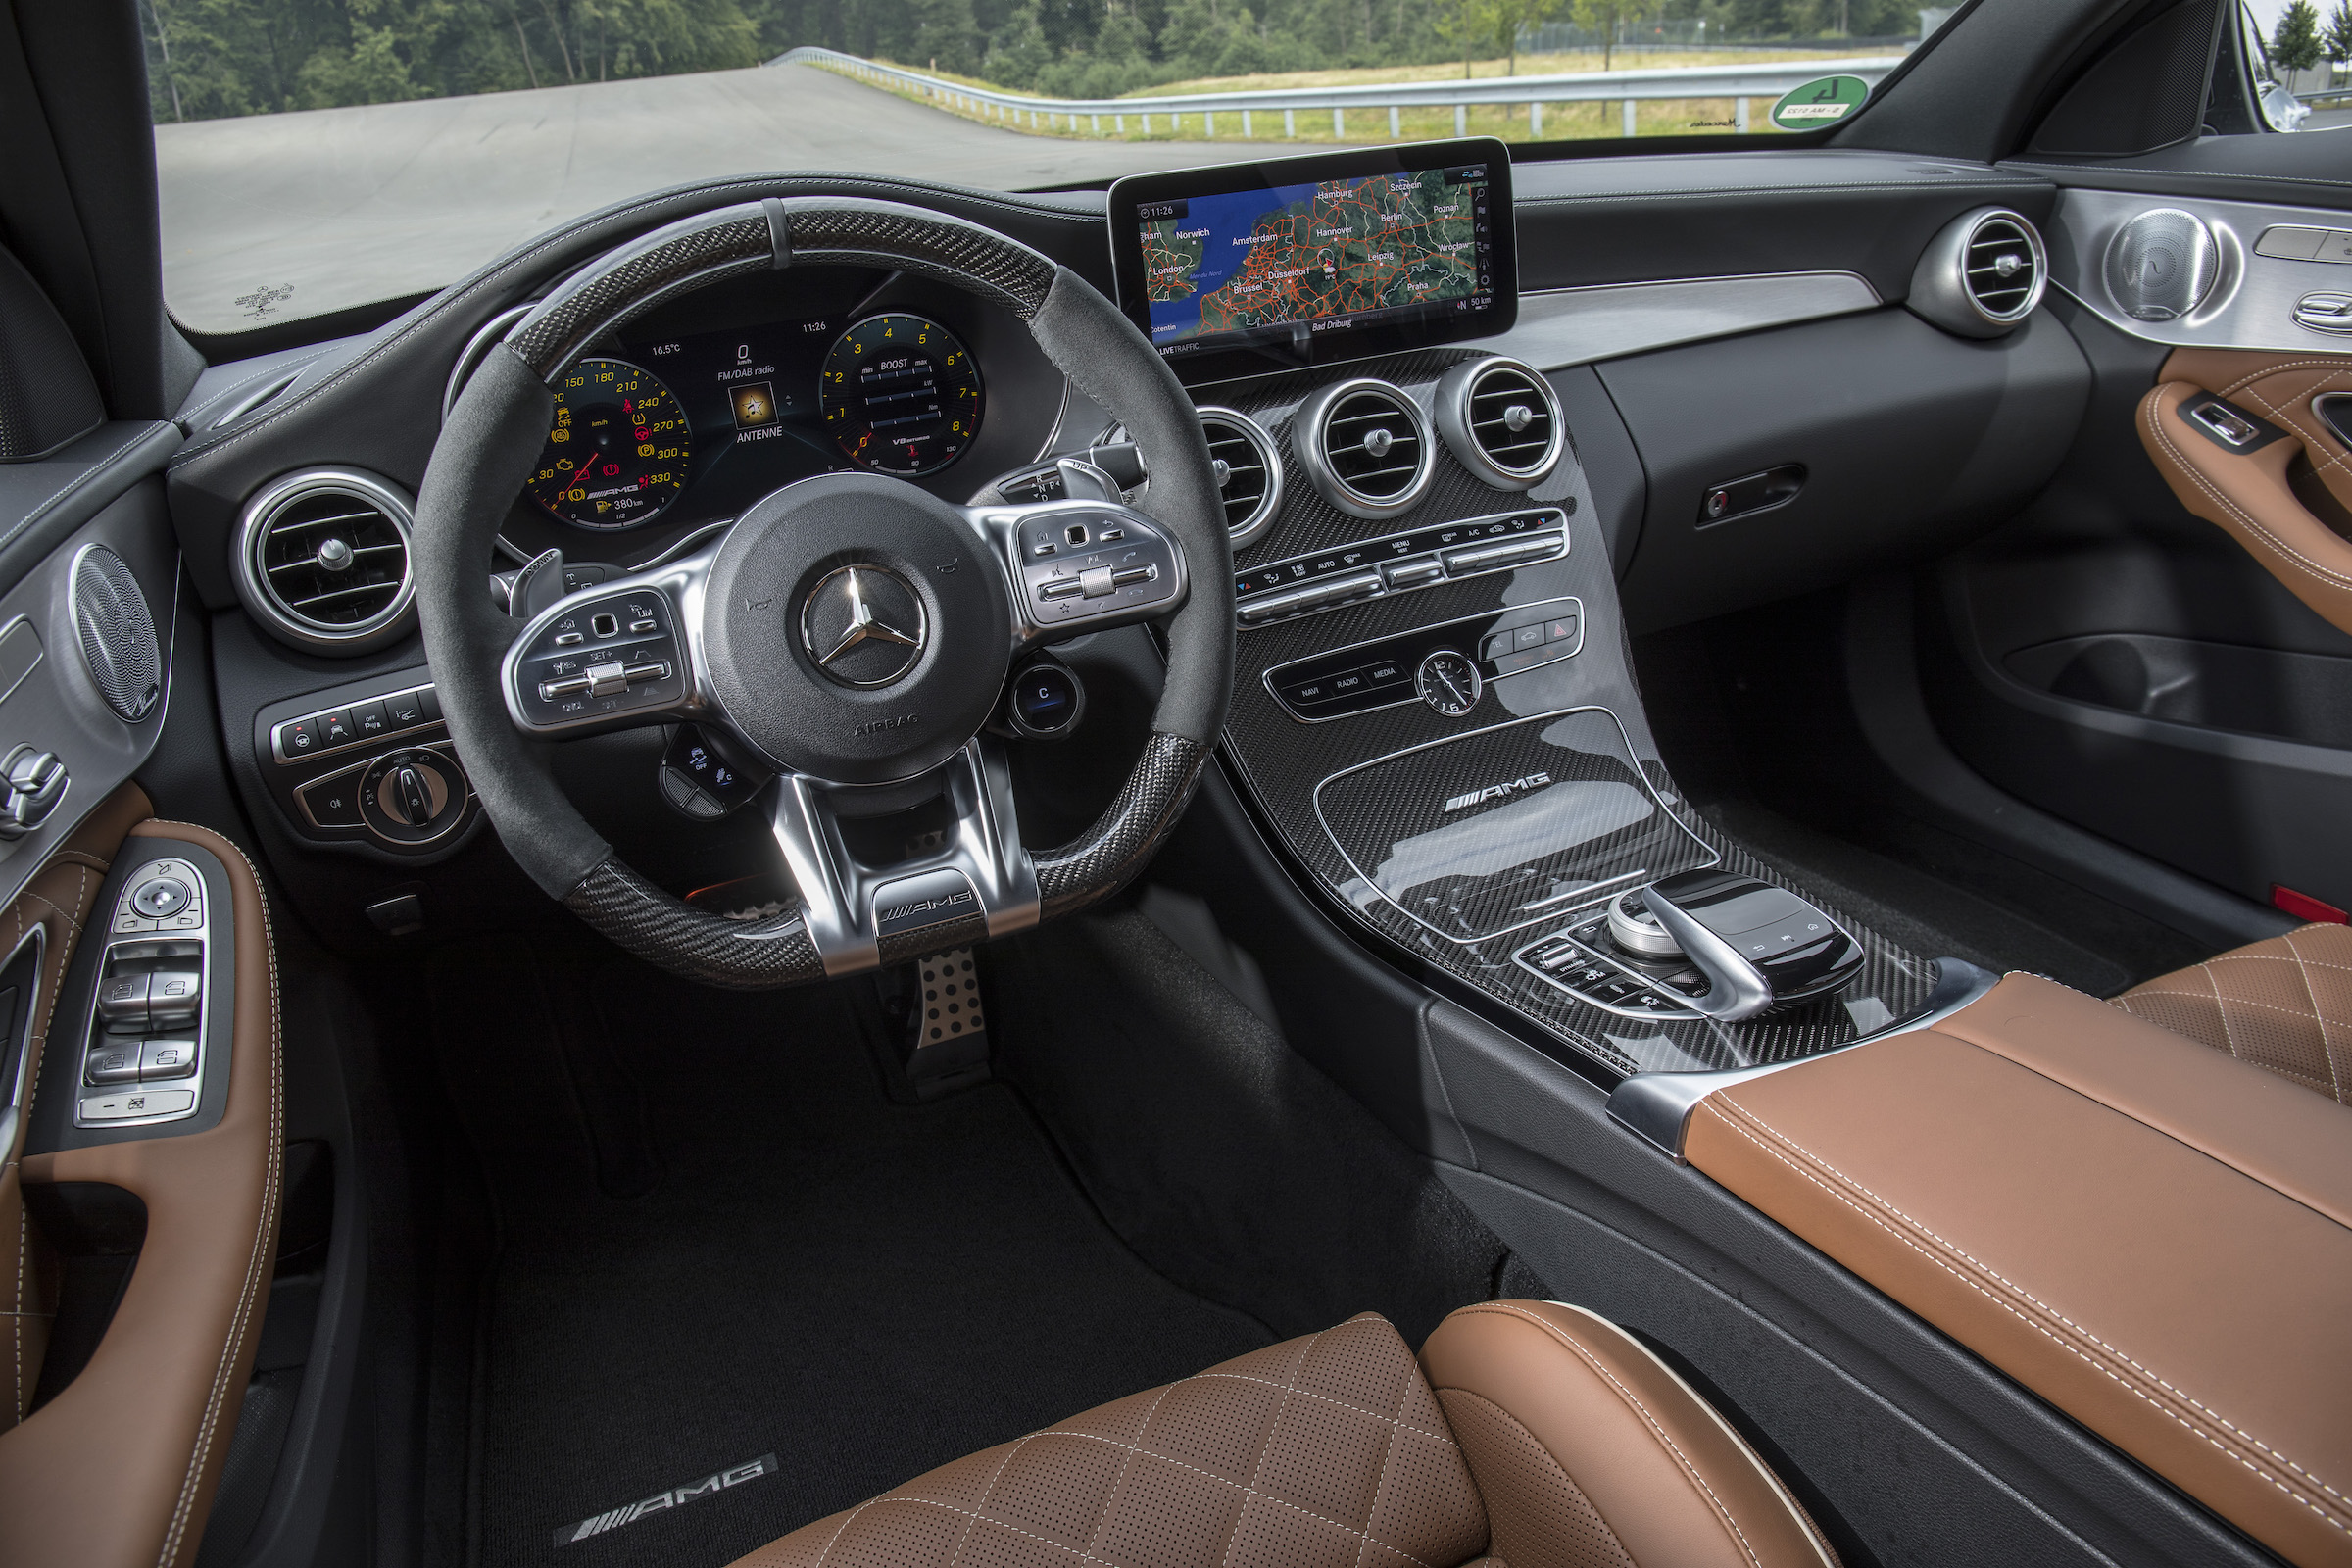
1246 259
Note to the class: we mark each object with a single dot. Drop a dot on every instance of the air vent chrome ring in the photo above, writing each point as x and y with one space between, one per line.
364 594
1501 420
1375 469
1982 275
1260 497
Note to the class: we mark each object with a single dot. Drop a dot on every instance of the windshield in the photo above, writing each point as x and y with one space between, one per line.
320 155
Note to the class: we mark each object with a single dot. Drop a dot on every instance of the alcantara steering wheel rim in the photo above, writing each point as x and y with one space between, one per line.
722 602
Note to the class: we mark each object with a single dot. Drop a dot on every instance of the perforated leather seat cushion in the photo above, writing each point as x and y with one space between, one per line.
1331 1451
2285 1004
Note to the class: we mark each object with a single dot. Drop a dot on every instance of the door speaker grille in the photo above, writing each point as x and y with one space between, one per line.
118 634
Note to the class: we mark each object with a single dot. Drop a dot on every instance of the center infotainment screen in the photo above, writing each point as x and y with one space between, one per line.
1251 267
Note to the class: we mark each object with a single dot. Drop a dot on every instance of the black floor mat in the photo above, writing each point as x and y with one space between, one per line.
861 1288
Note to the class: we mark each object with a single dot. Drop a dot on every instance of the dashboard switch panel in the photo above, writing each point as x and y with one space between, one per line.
1398 563
1369 676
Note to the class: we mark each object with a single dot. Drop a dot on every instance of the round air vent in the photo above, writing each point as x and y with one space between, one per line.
2162 264
118 634
1499 418
1248 474
322 560
1366 446
1982 275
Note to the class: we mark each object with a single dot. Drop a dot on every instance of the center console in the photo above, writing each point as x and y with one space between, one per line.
1434 709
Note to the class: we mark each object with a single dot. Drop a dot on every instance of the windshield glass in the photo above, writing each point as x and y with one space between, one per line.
317 155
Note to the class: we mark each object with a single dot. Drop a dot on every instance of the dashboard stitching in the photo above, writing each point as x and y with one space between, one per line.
2192 173
464 288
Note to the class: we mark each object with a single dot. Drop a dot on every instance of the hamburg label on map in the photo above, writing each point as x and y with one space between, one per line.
1322 254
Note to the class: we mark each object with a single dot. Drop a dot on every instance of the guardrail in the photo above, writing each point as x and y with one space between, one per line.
1740 84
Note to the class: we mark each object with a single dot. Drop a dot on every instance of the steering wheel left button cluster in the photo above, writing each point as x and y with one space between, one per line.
143 1062
614 657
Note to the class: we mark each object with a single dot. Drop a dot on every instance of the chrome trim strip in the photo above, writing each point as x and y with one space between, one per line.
1656 1106
1564 326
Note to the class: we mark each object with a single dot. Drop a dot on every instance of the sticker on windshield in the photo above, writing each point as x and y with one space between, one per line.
1819 103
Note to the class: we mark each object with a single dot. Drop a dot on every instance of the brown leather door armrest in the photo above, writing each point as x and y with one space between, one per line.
2250 496
2147 1234
118 1471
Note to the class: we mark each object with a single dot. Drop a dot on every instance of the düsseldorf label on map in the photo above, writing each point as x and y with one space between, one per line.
1248 260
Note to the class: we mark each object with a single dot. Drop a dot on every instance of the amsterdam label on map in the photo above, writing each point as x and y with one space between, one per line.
1262 258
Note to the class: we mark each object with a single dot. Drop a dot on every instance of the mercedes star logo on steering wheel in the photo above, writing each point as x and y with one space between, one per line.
863 625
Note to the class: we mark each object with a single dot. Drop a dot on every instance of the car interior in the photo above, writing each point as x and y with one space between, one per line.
1407 855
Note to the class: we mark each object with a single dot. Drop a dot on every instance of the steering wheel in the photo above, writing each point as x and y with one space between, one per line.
853 631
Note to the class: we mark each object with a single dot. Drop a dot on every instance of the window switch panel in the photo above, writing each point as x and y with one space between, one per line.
112 1061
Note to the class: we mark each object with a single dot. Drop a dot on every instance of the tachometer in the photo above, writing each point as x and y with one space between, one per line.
619 448
900 394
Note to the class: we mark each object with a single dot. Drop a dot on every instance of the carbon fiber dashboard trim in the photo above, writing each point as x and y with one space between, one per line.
1279 761
632 914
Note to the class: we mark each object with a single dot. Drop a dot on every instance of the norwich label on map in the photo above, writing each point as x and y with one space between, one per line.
1309 253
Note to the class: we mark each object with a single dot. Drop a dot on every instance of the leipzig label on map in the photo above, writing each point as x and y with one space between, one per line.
1320 254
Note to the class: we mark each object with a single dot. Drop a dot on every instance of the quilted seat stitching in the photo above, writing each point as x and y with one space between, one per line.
1657 1427
1393 1420
2044 1329
2318 1015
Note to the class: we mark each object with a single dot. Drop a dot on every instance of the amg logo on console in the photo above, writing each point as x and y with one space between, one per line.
1496 792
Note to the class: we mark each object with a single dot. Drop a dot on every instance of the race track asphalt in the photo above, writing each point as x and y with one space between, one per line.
342 207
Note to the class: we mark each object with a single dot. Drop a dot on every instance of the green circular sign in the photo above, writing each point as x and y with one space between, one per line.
1820 103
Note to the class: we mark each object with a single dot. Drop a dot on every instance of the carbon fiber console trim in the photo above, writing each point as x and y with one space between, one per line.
1280 761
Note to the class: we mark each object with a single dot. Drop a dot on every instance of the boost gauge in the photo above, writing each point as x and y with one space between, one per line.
618 451
900 395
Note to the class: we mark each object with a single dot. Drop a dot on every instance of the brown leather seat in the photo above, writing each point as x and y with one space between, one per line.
2285 1004
1529 1434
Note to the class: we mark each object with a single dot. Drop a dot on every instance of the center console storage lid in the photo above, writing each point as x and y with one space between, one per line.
2153 1237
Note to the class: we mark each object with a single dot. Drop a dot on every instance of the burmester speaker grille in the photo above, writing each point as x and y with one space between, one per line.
118 634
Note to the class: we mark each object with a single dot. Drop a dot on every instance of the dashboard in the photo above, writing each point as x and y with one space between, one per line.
699 408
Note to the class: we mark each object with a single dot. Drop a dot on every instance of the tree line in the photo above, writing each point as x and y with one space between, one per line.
208 59
2301 41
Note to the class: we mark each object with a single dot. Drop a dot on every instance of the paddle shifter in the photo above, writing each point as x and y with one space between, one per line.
1761 947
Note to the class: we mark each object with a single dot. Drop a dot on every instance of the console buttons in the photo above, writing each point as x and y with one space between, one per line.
371 719
164 1060
172 997
122 1003
160 897
298 739
138 1104
1525 637
406 709
1488 557
1387 672
1419 571
337 728
333 803
112 1063
433 705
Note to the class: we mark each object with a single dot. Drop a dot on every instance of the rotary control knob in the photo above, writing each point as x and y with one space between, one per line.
1449 682
1634 929
412 796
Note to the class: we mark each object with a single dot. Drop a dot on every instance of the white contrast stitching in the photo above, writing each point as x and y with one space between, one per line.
2270 541
2044 1329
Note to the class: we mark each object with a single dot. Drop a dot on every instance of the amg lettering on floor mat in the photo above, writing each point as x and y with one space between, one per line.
675 1498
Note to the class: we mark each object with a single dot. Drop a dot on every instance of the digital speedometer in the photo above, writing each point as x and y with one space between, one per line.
618 451
900 394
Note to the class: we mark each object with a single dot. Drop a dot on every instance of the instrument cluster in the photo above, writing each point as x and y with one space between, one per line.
734 412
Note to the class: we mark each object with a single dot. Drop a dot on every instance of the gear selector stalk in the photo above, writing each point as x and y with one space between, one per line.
1761 947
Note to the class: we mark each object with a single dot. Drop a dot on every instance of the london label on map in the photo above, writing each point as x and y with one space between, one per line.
1312 253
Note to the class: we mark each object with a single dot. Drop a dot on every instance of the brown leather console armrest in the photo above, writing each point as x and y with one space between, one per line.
2154 1238
118 1471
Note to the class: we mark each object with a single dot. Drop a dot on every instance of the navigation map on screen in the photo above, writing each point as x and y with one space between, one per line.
1325 253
